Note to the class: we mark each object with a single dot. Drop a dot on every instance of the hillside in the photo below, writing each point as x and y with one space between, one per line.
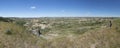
61 33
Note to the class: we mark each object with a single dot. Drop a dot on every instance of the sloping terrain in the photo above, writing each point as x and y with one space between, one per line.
62 36
17 38
100 38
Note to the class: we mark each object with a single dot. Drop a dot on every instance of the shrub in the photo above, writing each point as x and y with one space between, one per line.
44 31
21 23
92 23
6 19
8 32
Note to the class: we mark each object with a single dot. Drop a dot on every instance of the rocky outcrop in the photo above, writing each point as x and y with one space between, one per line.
35 26
36 32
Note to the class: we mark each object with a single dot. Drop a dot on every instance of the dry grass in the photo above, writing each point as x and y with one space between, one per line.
104 38
18 39
98 38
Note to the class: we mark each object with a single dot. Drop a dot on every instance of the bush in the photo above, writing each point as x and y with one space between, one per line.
6 19
44 31
21 23
92 23
8 32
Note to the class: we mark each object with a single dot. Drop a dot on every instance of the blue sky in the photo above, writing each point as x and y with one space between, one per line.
59 8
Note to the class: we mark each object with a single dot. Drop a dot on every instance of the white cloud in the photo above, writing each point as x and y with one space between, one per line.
33 7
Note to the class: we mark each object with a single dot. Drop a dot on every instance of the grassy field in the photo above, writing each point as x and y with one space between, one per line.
62 33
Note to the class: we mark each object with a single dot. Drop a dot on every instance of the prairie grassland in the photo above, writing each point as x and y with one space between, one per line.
62 36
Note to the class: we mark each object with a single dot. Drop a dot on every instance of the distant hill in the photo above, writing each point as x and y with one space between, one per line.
5 19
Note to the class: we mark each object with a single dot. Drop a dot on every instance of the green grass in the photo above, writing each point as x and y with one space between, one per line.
70 35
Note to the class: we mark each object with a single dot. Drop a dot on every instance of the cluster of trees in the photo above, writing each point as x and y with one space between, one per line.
5 19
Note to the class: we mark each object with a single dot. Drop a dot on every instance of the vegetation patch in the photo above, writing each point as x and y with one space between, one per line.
20 22
8 31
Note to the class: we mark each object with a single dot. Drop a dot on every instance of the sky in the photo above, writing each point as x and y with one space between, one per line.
60 8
